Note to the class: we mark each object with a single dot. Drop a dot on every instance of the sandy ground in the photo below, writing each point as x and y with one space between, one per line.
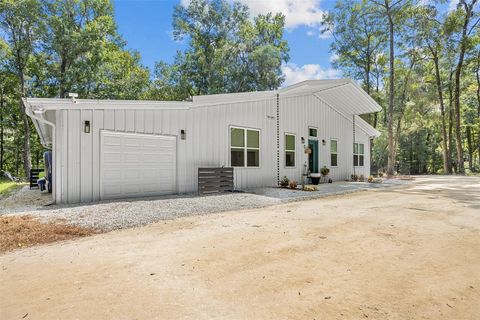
410 252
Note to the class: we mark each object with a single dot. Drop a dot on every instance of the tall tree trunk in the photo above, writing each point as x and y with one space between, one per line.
26 129
2 141
470 147
446 152
391 149
450 119
367 75
477 75
458 74
62 86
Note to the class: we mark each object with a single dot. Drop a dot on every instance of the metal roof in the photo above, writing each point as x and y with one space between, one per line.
343 95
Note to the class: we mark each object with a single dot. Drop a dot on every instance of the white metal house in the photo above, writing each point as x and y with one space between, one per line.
104 149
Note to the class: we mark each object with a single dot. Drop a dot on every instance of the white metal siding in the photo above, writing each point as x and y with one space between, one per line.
207 141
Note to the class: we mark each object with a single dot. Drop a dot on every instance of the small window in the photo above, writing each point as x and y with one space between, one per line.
244 147
358 154
289 150
312 132
333 153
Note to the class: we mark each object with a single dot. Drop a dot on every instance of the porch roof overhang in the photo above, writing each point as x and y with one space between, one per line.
345 95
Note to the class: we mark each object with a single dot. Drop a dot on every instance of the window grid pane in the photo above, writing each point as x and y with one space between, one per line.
253 139
289 142
237 137
333 160
253 158
289 159
333 146
237 157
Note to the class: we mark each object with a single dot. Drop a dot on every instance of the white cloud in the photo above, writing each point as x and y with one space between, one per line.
325 35
334 57
297 12
453 5
310 33
294 74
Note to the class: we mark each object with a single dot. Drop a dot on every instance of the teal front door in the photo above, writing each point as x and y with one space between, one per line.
313 156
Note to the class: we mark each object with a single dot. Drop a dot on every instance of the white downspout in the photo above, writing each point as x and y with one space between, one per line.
29 112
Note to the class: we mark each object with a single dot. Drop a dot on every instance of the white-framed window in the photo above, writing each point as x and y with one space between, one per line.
244 147
289 150
312 132
333 152
358 154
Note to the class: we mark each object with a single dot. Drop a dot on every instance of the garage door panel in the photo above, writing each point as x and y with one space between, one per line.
133 189
136 165
113 190
112 157
112 141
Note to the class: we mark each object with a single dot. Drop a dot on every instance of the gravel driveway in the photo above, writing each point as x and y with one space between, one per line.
106 216
125 214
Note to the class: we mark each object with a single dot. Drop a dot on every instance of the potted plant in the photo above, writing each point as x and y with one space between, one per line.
293 184
315 178
284 182
324 171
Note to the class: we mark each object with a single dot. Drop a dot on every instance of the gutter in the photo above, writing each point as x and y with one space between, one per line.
37 121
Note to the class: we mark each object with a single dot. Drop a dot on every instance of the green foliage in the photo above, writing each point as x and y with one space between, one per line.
7 186
423 39
284 182
324 171
50 48
227 51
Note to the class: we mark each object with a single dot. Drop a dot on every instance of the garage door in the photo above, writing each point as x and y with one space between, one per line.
137 165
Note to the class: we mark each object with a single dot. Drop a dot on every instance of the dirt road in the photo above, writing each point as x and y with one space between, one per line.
406 253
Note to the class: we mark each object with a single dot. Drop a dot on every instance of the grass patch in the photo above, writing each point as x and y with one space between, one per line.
7 186
26 231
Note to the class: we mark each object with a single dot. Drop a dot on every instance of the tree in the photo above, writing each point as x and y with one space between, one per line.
467 19
119 76
227 51
358 39
21 22
431 36
391 11
76 29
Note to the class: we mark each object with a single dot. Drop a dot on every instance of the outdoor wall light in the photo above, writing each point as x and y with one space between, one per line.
323 142
182 134
86 127
303 140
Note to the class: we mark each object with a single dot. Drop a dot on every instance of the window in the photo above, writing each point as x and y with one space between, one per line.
312 132
244 147
289 150
333 153
358 154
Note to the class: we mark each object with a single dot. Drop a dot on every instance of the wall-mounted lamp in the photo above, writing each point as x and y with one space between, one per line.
303 140
182 134
86 127
323 142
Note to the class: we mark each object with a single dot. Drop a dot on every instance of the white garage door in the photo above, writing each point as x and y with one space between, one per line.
137 165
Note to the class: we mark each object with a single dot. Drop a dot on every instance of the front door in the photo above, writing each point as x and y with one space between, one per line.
313 156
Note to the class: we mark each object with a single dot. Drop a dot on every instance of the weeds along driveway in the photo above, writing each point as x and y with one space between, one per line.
107 216
397 253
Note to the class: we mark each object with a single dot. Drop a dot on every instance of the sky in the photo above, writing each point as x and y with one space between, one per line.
146 25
